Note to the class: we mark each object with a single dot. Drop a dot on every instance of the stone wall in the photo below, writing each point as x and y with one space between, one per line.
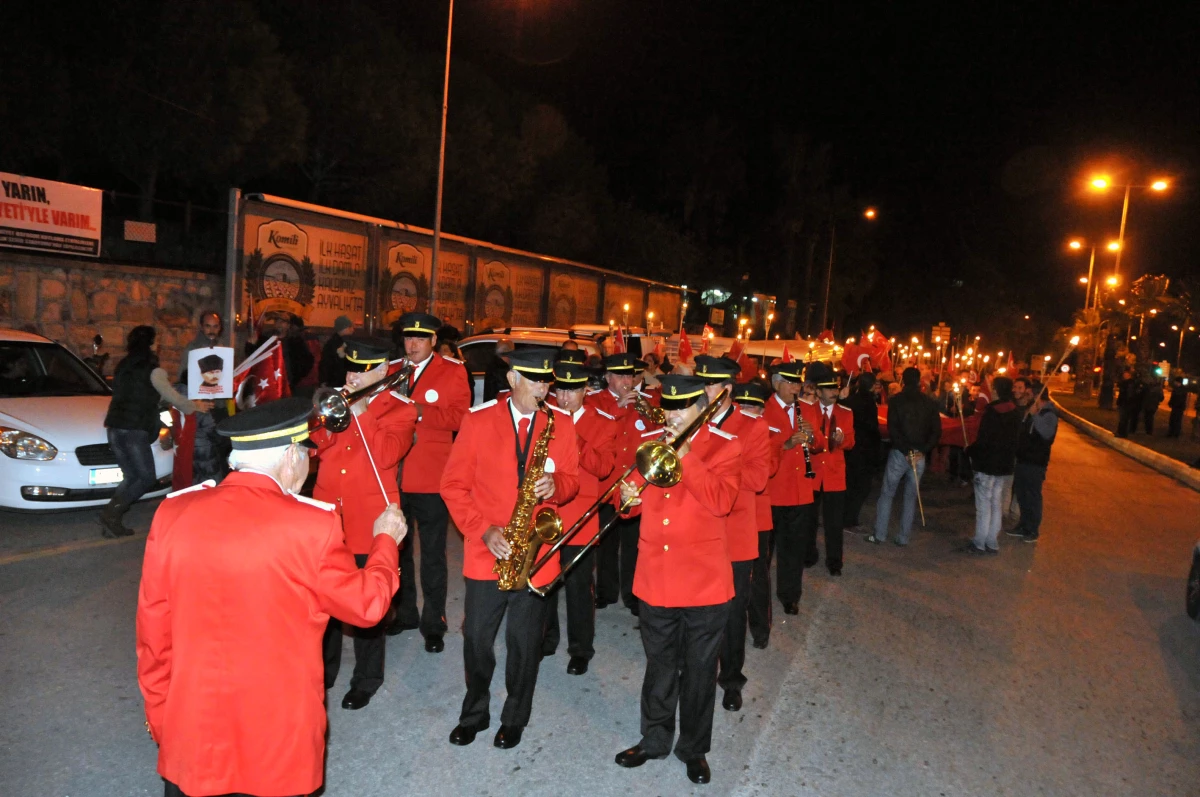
70 301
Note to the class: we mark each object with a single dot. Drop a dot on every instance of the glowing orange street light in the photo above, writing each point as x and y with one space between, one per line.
1113 246
1112 282
1076 244
869 213
1083 280
1159 185
1100 183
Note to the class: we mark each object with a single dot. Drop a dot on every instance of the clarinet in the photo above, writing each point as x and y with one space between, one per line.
809 473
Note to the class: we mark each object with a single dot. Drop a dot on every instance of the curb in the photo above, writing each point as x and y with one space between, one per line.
1179 471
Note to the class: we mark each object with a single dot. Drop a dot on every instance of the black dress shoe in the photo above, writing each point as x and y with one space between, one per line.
835 571
434 643
633 609
791 608
812 559
356 699
634 757
577 665
462 735
698 771
601 603
732 700
508 736
761 644
396 627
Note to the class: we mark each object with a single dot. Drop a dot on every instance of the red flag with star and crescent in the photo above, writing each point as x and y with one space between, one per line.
265 380
685 347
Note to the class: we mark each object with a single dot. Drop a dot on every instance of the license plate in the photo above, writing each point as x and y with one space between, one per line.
105 476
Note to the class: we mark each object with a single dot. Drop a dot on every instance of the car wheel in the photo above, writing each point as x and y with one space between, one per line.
1193 589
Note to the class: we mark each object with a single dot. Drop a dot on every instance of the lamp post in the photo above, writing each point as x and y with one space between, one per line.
437 211
869 214
1103 183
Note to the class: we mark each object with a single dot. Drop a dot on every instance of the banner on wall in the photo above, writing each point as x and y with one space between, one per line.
665 305
316 273
507 294
616 296
450 288
573 299
49 216
403 280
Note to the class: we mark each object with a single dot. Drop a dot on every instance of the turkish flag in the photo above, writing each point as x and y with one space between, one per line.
619 342
878 347
826 336
787 355
685 347
183 431
705 337
856 359
265 381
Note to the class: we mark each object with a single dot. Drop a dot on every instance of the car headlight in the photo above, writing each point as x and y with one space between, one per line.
19 444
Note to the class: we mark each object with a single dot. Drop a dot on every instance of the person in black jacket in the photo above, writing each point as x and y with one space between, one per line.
132 422
332 369
993 454
1039 426
1152 396
862 459
1178 404
914 428
1129 403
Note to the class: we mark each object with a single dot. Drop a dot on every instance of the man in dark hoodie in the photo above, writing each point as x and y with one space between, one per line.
993 455
1039 427
914 428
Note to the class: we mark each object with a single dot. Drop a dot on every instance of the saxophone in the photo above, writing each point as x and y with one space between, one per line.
526 532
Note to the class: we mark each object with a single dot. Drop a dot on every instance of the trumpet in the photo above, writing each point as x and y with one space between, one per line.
332 407
657 461
656 415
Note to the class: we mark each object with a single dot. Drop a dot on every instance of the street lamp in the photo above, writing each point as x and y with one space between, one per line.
1102 183
870 215
437 211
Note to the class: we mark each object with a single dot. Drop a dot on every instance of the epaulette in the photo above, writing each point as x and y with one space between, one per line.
590 392
201 486
451 359
659 430
644 394
776 431
808 401
483 406
748 415
314 502
557 408
722 433
605 414
403 397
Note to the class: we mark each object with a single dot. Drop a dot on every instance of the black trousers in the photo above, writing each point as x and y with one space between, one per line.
630 531
171 790
860 467
682 645
795 530
428 512
1148 420
608 560
1175 422
1126 421
832 506
369 647
485 606
759 609
733 648
581 606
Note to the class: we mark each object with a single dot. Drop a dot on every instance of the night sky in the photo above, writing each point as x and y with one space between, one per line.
972 131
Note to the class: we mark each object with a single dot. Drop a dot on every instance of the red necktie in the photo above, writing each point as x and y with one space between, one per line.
522 429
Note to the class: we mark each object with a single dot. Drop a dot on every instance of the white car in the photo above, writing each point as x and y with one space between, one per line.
54 451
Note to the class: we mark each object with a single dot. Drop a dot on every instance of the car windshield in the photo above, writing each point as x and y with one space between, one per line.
34 370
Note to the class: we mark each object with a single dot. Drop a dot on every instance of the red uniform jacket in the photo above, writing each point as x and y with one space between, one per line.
595 433
480 482
442 394
683 559
788 487
631 427
742 525
345 477
830 465
238 584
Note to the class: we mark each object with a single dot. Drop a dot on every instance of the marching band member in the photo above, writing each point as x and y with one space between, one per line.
837 427
481 484
595 433
617 560
792 509
741 527
358 475
238 584
684 583
752 399
439 388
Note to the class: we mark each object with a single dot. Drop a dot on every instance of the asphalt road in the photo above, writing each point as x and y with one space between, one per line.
1062 668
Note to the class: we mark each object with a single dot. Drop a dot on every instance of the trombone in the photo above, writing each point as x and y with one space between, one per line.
332 406
657 461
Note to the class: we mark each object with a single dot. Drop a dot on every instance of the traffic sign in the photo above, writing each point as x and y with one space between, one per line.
940 331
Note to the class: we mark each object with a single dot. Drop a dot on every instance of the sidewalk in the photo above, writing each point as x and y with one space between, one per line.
1184 449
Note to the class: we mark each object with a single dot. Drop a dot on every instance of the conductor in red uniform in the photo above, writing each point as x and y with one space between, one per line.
595 433
481 485
618 551
684 583
439 389
238 583
741 527
358 475
751 398
837 427
792 508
